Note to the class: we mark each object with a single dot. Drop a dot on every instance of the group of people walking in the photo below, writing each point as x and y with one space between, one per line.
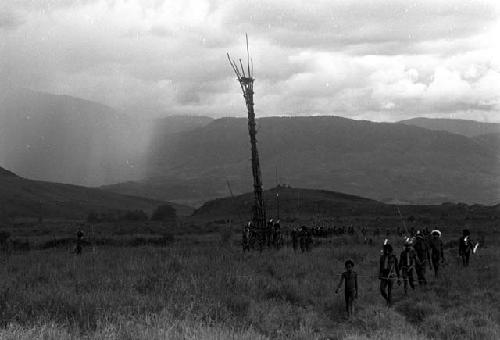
419 253
268 236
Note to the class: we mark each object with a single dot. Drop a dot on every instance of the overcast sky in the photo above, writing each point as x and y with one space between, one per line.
380 60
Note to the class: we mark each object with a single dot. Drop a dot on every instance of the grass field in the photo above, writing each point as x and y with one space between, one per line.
204 287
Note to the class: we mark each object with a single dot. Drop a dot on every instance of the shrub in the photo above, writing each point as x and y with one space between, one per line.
164 213
4 236
135 215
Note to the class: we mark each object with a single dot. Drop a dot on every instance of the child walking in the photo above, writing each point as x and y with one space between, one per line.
351 286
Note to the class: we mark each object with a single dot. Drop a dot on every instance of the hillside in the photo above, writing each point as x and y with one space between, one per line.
64 139
69 140
469 128
490 141
26 198
292 202
382 161
298 203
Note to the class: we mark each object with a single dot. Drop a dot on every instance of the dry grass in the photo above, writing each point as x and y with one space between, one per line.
206 292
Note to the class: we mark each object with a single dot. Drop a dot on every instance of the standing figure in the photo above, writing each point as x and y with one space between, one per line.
351 286
303 238
437 253
465 246
363 232
245 237
294 235
79 241
309 239
423 258
269 232
407 261
388 272
277 234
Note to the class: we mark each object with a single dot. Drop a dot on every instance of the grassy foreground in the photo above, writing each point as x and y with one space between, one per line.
209 292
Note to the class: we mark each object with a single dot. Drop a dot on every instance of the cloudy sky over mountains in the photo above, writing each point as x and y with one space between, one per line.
377 60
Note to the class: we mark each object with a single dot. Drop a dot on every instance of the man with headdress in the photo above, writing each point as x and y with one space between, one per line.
407 261
465 246
423 257
388 272
437 252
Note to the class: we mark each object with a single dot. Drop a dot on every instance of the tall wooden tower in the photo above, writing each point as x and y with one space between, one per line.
246 83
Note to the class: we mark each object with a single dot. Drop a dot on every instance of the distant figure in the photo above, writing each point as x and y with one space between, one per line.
277 234
351 286
79 241
363 232
294 235
412 231
465 246
303 235
407 261
426 232
423 258
245 237
269 232
437 253
388 272
309 239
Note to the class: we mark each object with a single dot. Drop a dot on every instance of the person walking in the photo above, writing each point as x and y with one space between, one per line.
388 272
407 261
350 277
437 253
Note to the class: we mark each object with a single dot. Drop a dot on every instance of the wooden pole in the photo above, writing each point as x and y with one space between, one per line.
246 84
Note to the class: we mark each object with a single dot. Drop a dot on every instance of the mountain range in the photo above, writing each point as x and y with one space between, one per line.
383 161
65 139
469 128
194 159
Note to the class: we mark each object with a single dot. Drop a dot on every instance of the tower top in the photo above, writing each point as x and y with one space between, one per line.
245 78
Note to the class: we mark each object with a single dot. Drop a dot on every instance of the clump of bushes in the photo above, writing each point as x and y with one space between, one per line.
117 216
4 236
164 213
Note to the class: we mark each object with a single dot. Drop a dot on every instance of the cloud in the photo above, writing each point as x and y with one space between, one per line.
380 59
9 19
361 26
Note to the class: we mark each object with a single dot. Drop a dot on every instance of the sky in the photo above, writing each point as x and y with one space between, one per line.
382 60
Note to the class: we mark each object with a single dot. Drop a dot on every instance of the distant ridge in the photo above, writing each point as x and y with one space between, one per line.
382 161
20 197
310 204
293 201
6 173
469 128
65 139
